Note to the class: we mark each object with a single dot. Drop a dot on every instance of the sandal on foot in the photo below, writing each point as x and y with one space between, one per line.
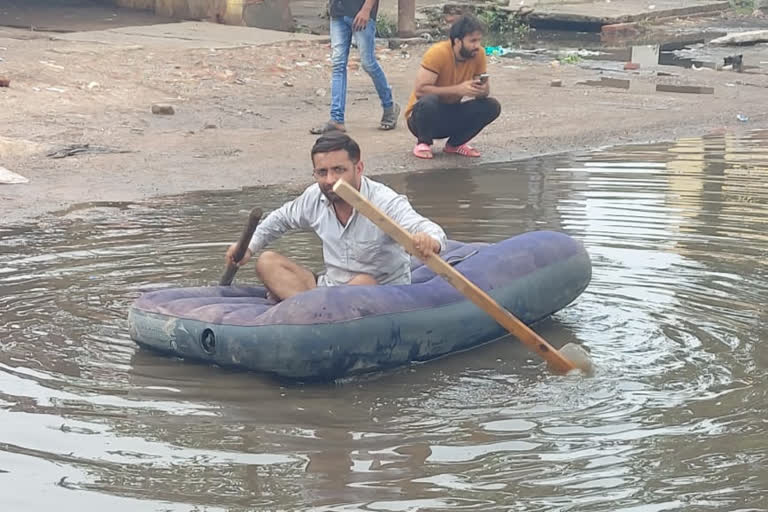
422 151
463 150
329 126
389 118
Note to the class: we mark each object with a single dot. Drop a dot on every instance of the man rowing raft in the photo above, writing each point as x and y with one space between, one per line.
356 251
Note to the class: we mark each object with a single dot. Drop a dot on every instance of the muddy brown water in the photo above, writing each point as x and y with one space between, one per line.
675 418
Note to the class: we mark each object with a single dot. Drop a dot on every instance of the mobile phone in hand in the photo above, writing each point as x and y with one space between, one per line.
482 78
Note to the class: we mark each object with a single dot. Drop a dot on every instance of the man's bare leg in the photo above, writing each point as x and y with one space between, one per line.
282 276
362 279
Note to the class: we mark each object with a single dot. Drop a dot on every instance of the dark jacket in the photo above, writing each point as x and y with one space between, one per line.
339 8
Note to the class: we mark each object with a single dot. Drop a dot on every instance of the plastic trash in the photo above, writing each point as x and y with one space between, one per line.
742 118
496 51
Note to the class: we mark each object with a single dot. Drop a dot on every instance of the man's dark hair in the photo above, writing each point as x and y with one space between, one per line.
335 141
465 25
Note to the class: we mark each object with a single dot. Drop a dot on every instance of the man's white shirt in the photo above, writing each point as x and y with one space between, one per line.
360 247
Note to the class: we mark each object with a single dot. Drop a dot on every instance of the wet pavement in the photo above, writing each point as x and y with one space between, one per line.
675 319
72 15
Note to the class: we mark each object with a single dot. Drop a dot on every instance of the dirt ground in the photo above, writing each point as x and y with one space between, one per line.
242 115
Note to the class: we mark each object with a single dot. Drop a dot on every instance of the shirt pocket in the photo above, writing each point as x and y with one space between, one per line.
376 255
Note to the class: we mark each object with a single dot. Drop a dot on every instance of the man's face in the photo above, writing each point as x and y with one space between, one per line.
470 45
332 166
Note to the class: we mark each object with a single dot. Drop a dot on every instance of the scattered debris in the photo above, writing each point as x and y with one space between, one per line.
93 85
497 51
742 38
570 58
75 149
629 66
734 62
556 83
209 126
320 92
162 109
394 43
620 28
11 178
4 82
67 485
55 89
685 89
645 54
288 84
18 148
51 64
645 87
608 82
742 118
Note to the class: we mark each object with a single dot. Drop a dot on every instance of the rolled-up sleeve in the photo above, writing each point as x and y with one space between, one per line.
403 213
292 215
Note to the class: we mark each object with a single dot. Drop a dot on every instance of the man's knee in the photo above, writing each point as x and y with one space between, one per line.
492 108
428 105
369 66
429 101
368 57
267 261
362 279
339 56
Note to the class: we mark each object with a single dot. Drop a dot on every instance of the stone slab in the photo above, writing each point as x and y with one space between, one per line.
593 15
742 38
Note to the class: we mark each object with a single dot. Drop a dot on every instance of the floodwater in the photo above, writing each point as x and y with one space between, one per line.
675 418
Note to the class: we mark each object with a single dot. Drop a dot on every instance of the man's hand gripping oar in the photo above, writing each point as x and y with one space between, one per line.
242 246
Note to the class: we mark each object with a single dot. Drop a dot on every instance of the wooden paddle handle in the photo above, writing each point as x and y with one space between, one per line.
242 246
556 361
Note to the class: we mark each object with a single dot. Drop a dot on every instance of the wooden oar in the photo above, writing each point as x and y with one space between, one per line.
556 360
242 246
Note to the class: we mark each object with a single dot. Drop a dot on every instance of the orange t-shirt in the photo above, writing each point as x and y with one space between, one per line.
440 59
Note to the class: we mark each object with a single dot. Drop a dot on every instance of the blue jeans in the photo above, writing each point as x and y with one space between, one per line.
341 41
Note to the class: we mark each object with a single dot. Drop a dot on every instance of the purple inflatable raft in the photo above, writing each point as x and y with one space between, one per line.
330 333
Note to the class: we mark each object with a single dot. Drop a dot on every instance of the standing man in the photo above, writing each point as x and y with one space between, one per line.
355 18
355 250
452 70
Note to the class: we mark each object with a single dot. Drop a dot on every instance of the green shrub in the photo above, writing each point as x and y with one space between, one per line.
502 28
386 27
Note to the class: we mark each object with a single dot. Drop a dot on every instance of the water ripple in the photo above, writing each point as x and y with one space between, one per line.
675 319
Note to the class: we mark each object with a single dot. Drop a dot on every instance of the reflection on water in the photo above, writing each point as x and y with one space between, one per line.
675 318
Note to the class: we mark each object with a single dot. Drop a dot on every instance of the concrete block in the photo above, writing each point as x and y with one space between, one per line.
270 14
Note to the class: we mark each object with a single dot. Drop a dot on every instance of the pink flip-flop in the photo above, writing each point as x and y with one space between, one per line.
423 151
463 150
